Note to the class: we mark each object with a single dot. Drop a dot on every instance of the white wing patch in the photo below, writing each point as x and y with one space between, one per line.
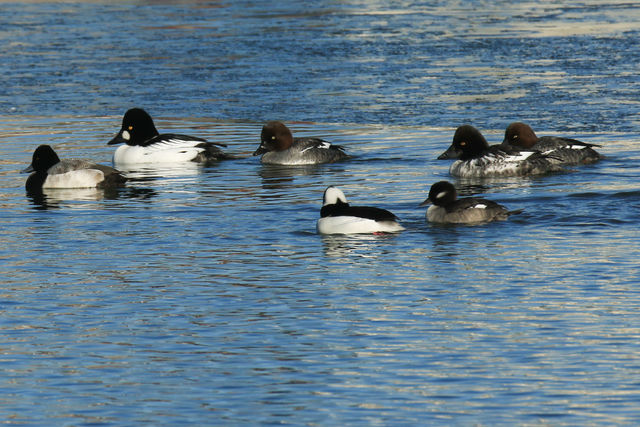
173 144
523 155
480 206
323 145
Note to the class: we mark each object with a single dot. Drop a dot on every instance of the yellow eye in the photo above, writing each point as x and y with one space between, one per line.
463 143
515 136
273 137
130 127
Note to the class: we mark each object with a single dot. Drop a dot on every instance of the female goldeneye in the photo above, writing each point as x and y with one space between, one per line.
447 209
143 143
51 172
279 147
561 150
476 159
337 217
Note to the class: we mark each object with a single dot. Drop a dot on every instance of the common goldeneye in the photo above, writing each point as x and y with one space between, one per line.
338 217
446 208
144 144
561 150
279 147
476 159
51 172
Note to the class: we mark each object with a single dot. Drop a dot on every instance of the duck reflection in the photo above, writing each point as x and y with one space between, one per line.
359 245
57 198
152 172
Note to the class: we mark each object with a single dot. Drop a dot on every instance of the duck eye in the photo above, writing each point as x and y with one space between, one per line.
463 143
514 137
273 137
130 127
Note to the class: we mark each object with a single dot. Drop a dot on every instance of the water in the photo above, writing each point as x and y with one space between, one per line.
203 296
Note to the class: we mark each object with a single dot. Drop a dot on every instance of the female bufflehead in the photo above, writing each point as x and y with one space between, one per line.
337 217
564 151
144 144
476 159
51 172
279 147
446 208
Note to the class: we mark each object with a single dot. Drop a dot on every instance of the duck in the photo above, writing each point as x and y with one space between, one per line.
476 159
144 144
279 147
49 172
338 217
446 208
561 150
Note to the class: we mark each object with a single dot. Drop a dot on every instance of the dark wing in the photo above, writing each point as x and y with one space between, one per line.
550 142
368 212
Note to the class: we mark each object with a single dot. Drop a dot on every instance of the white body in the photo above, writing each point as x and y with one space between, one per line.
169 151
355 225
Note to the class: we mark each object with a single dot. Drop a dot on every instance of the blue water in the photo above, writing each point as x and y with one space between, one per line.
203 296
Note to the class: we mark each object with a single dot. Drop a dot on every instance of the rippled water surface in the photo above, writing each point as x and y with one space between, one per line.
202 295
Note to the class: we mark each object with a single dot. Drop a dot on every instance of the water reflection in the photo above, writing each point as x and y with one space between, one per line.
358 245
58 198
279 177
149 172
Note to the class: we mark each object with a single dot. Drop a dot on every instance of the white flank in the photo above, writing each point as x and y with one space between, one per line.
169 151
83 178
355 225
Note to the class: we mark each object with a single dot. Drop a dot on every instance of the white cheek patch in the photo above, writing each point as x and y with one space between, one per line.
125 135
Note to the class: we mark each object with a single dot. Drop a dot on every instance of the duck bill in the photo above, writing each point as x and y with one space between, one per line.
118 139
425 203
451 153
260 150
28 169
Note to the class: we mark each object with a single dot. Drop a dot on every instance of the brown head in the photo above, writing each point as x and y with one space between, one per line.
275 136
520 135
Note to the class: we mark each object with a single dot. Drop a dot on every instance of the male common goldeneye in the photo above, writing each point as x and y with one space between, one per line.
279 147
51 172
561 150
476 159
447 209
144 144
338 217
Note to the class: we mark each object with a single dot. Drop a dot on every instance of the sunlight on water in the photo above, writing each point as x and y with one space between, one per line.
202 294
